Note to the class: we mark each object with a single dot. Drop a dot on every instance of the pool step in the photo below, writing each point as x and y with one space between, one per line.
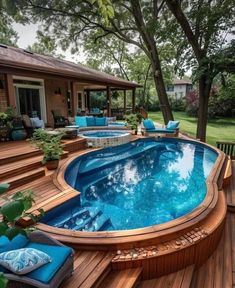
99 222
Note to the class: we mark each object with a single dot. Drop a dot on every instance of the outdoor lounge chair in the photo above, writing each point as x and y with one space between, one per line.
30 124
51 274
59 120
148 128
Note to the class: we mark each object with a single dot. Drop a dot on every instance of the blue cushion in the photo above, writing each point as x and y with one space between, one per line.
24 260
160 130
100 121
148 124
90 121
172 125
58 254
81 121
17 242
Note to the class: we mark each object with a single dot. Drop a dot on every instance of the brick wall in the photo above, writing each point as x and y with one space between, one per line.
3 96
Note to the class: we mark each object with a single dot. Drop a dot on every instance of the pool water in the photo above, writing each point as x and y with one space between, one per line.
136 185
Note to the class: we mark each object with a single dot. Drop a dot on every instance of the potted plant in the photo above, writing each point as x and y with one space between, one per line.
50 144
133 121
11 211
6 124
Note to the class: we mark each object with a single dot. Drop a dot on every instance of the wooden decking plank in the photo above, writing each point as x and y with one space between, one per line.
219 261
209 276
227 275
179 275
188 274
124 278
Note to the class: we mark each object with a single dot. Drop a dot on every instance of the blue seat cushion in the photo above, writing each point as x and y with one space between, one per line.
81 121
100 121
58 254
18 242
172 125
148 124
161 130
90 121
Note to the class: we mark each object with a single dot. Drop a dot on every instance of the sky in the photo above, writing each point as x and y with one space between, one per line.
27 36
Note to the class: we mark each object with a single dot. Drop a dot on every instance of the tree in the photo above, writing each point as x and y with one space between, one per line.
7 34
205 24
135 22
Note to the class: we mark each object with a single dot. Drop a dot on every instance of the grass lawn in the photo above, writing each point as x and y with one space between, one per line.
217 129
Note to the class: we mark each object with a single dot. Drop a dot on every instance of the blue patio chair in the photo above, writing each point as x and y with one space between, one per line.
49 275
148 128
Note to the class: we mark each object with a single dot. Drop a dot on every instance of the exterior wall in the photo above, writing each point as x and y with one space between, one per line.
56 101
3 96
180 91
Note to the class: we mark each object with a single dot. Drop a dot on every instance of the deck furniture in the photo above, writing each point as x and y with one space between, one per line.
148 128
227 147
50 275
30 124
59 120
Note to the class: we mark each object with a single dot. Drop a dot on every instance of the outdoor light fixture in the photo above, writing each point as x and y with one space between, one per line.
1 84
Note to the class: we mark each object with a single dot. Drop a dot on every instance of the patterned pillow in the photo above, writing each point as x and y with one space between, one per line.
25 260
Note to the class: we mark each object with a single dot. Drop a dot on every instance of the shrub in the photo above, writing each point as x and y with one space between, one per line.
177 104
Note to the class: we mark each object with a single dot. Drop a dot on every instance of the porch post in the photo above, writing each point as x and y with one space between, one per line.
133 100
11 101
88 100
109 104
74 98
124 101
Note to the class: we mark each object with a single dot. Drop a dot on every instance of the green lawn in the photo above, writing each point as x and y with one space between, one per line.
217 129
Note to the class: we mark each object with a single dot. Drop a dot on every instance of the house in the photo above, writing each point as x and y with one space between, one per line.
31 82
179 89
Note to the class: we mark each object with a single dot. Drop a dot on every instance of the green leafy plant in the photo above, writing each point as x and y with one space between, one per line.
49 144
133 121
14 208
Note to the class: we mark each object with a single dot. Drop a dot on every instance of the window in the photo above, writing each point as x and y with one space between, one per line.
170 88
79 99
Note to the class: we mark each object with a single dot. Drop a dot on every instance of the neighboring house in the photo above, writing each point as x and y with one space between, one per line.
31 82
179 89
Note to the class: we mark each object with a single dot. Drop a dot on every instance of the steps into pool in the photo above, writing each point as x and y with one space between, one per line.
82 218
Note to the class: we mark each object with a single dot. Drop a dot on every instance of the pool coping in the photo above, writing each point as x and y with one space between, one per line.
138 236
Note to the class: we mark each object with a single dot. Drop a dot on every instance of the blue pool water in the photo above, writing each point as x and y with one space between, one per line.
135 185
103 134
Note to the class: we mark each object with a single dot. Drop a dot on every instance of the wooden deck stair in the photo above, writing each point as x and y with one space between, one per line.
90 267
127 278
179 279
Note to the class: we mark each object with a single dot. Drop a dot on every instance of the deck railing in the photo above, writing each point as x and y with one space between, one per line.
227 147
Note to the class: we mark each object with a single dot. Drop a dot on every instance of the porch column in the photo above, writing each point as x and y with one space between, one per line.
74 98
109 104
88 99
11 101
133 100
124 101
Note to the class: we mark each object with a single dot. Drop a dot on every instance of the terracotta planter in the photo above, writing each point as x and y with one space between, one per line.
52 164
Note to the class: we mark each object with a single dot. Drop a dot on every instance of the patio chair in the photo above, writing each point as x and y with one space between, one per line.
59 120
49 275
148 128
30 124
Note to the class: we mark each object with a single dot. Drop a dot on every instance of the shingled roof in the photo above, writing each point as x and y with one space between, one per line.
12 57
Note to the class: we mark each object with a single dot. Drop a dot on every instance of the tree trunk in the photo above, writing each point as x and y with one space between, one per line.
204 94
160 87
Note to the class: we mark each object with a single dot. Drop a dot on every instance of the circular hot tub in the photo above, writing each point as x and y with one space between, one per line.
105 138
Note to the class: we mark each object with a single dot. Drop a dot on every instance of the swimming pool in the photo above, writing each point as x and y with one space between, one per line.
106 138
135 185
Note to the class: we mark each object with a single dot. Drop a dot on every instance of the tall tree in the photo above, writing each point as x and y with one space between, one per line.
133 22
206 25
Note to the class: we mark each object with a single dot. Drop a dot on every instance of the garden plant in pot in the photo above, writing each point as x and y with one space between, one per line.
6 119
14 208
51 146
133 121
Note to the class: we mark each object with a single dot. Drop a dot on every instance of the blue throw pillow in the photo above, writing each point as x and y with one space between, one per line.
24 260
81 121
148 124
100 121
17 242
90 121
172 125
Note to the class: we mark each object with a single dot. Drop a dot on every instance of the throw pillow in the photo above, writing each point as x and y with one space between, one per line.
25 260
90 121
148 124
81 121
100 121
172 125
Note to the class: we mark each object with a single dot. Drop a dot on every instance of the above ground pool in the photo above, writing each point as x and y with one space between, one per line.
135 185
106 138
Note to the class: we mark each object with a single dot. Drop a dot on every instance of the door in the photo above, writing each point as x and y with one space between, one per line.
29 101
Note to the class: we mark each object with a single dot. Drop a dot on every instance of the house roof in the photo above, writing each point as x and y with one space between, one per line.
18 58
181 81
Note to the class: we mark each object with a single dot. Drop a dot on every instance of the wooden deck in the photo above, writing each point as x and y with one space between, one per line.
94 268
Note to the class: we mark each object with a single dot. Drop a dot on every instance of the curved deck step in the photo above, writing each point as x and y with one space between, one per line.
179 279
26 177
122 279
